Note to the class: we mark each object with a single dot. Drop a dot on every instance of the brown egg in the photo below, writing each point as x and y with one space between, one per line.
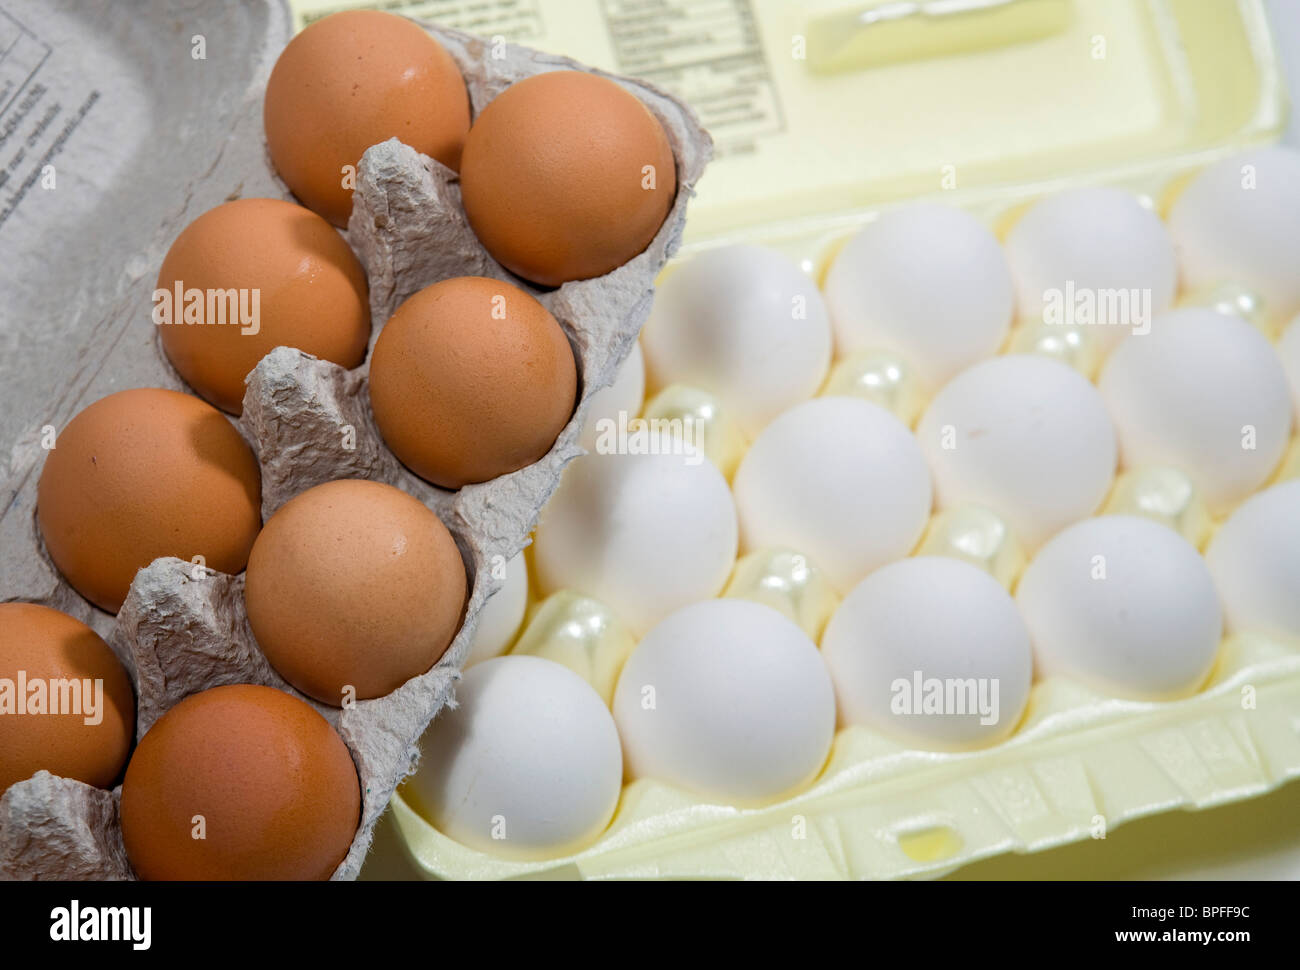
471 378
250 276
566 176
142 474
353 588
240 782
66 705
352 80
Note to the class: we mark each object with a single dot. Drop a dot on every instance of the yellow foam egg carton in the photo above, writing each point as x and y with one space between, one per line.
824 113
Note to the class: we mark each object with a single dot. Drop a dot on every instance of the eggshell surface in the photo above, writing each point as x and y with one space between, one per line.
727 699
926 281
1125 605
624 397
352 80
499 620
566 176
353 588
644 533
284 263
66 705
1255 561
1024 436
839 480
526 765
922 621
745 323
1288 349
1238 221
142 474
260 775
1096 243
470 379
1204 392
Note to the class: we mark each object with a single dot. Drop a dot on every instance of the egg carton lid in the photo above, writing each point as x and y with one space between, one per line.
982 105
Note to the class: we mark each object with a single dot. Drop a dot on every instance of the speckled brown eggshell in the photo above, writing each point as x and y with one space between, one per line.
139 475
46 646
353 588
352 80
310 293
471 378
556 177
275 787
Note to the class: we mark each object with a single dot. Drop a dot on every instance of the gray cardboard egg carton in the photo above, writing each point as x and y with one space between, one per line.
184 629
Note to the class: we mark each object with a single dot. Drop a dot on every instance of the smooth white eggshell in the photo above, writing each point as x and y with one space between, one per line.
1288 349
499 620
838 479
941 619
625 396
926 281
1095 239
1255 561
727 699
1183 395
642 533
1125 605
529 747
1239 222
745 323
1030 438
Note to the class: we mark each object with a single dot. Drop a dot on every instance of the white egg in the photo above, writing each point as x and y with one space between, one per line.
1025 436
1092 244
1124 605
745 323
727 699
839 480
930 650
642 533
1205 393
499 620
527 765
1255 560
926 281
1239 222
624 397
1288 348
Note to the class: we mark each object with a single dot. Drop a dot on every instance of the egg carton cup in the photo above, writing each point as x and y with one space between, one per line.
183 628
